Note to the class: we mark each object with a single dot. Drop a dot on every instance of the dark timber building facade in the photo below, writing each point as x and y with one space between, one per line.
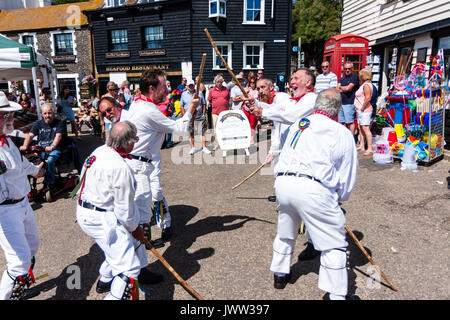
132 36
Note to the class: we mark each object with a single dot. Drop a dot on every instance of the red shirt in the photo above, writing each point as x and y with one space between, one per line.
219 99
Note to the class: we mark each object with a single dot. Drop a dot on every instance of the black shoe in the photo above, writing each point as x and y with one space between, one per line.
279 282
309 253
30 293
103 287
148 277
166 233
272 198
158 243
347 297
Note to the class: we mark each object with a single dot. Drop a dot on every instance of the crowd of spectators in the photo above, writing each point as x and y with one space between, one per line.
356 112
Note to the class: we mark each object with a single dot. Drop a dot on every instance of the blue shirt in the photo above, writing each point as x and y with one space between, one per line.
349 97
186 98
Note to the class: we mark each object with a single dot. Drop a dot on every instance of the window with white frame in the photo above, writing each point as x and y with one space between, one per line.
254 11
153 37
253 55
118 40
217 8
114 3
225 50
28 40
63 43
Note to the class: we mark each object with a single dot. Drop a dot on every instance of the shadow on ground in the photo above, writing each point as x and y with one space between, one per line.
76 280
183 262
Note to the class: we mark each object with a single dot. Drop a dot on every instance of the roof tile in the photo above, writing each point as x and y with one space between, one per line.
57 16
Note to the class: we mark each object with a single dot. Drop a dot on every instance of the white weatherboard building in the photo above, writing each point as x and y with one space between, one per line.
418 26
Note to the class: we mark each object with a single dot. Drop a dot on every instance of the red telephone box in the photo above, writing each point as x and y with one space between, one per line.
343 48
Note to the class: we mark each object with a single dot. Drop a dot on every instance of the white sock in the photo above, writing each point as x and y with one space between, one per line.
336 296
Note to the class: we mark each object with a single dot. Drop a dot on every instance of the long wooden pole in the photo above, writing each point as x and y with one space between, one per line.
200 75
249 176
198 83
169 267
370 258
226 64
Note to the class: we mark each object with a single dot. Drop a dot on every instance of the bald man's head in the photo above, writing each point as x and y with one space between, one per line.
122 136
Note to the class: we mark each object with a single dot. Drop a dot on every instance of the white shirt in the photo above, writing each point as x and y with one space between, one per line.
326 151
110 184
289 111
280 130
326 81
236 92
15 184
152 125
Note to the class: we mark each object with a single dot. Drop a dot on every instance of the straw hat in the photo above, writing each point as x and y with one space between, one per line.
7 106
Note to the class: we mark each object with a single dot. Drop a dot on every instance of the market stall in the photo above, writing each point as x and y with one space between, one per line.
414 116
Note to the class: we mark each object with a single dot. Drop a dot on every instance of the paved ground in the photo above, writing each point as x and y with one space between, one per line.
223 239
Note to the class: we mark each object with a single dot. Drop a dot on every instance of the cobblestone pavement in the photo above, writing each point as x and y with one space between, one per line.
222 243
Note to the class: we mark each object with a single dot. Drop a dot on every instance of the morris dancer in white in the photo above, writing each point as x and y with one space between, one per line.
18 232
316 170
284 112
300 105
107 213
152 125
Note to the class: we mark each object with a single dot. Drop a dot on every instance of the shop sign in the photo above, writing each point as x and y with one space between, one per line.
130 68
64 59
152 52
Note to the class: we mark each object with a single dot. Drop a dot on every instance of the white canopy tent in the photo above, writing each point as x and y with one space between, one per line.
20 62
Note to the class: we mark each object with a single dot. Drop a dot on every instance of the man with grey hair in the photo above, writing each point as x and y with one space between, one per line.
106 212
301 104
49 132
348 86
316 170
284 111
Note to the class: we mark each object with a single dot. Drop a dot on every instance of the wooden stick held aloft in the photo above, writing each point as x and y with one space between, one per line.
200 75
226 64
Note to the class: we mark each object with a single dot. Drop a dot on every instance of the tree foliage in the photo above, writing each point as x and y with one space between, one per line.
315 21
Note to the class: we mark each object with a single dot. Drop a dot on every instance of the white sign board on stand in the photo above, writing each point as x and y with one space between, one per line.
233 130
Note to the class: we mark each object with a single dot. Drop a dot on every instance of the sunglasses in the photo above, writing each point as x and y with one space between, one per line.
347 68
7 115
106 111
115 89
324 67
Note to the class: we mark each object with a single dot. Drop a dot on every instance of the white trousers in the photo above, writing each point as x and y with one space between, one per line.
19 240
143 195
123 253
303 199
157 195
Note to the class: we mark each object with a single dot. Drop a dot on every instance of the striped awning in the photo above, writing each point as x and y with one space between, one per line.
15 55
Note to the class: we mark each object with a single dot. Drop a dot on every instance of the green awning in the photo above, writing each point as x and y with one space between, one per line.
15 55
